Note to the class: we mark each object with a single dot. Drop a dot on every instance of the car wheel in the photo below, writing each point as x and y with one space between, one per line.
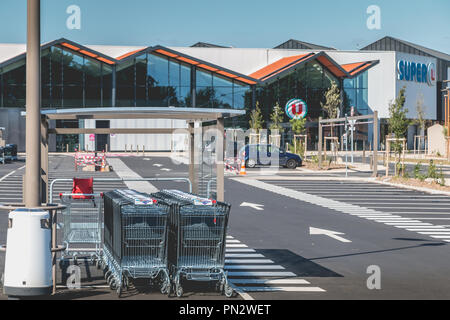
250 163
291 164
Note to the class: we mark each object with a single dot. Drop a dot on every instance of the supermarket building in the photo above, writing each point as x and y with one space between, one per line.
89 77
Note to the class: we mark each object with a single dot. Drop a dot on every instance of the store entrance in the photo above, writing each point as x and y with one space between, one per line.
101 140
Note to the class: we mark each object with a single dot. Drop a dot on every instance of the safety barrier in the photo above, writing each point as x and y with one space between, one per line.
83 159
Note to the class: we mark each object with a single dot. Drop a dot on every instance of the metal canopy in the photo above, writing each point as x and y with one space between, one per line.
189 114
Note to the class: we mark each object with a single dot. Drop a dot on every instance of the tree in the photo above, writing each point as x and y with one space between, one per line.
420 121
332 101
298 125
277 118
256 120
398 123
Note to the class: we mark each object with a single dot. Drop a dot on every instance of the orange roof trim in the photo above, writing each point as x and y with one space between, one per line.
204 66
90 54
129 54
227 74
352 66
245 80
105 60
277 66
187 60
167 53
65 44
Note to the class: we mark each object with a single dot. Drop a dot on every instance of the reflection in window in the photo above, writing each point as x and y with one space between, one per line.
356 94
125 83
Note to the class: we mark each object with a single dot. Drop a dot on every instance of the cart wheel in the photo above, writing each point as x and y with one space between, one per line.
113 285
165 288
125 283
107 274
110 279
75 260
228 291
119 291
179 291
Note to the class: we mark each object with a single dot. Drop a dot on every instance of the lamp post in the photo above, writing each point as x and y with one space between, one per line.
446 92
32 186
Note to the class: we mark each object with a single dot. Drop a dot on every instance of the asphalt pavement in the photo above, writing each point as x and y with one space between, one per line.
271 251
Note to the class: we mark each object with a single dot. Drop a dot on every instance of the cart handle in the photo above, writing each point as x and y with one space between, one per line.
59 248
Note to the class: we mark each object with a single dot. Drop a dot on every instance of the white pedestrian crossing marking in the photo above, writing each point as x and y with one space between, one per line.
249 271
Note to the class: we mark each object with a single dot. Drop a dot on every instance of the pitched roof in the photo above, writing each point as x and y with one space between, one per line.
284 64
279 66
297 44
207 45
431 52
354 69
19 52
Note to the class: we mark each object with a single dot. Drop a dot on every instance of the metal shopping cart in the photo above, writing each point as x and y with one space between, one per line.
135 239
197 235
82 221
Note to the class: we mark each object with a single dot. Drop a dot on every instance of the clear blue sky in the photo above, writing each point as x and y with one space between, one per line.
238 23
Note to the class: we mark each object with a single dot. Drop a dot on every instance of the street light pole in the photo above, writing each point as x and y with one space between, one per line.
32 186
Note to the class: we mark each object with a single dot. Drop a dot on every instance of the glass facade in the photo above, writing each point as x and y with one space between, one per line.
308 82
69 80
73 80
356 94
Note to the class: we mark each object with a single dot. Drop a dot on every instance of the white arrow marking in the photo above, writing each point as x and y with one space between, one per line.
253 205
157 165
329 233
164 169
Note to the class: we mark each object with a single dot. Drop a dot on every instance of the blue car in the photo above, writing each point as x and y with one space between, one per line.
261 154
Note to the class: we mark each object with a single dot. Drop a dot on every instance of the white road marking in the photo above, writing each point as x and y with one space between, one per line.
386 218
260 274
255 206
254 267
268 281
437 233
239 250
286 289
235 245
239 261
435 230
329 233
123 171
233 241
239 255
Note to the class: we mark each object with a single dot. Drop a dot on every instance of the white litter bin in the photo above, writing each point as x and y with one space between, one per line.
28 260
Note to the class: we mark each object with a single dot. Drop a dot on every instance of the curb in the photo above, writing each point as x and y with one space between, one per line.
403 186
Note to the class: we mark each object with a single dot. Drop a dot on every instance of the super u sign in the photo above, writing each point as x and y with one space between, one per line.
296 109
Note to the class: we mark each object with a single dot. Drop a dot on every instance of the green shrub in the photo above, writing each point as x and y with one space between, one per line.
432 173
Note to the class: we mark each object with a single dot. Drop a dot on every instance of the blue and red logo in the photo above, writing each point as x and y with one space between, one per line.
296 109
418 72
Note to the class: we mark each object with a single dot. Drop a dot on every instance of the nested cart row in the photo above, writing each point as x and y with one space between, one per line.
165 237
197 238
135 239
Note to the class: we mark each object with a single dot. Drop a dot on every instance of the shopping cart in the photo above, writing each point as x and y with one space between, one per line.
197 235
82 221
135 239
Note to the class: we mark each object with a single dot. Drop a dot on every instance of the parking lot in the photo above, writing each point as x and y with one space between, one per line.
271 253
